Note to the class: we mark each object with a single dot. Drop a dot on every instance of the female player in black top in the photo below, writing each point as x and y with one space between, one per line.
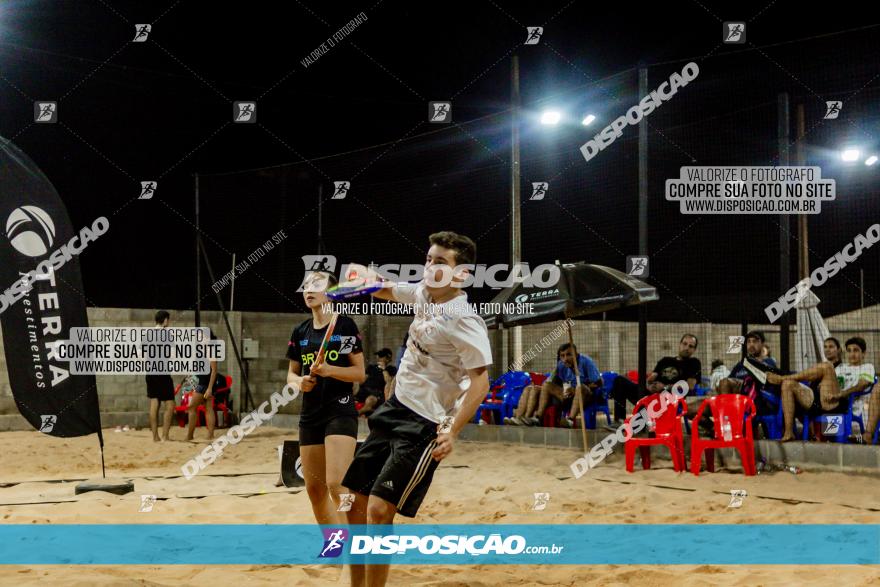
328 421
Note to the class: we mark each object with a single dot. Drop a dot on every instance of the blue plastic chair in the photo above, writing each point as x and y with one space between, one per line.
842 423
509 387
774 423
600 404
859 417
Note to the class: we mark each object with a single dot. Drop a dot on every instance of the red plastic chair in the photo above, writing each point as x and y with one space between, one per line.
538 378
550 417
739 411
219 402
667 430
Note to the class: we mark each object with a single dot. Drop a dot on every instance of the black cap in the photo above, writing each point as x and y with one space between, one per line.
386 352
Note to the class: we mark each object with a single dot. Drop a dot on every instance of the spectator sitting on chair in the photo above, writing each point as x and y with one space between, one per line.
856 373
755 350
685 366
826 393
524 413
373 392
565 397
719 372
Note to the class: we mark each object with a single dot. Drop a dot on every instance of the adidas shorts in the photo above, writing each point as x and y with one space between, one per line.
395 462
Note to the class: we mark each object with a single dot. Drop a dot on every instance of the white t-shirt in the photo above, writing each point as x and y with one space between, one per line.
718 373
444 341
851 375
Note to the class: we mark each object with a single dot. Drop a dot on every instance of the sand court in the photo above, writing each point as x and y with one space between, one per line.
481 483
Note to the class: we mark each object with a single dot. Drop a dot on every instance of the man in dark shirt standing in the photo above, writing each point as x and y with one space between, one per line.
372 393
668 371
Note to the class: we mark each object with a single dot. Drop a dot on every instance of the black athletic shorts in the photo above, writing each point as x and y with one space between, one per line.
160 387
340 425
395 461
816 409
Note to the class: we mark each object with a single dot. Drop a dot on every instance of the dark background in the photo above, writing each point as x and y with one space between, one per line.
162 110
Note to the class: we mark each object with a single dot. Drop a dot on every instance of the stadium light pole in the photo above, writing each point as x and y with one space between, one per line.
515 346
198 316
803 228
643 228
782 112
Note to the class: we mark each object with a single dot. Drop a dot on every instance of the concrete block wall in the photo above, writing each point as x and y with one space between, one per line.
613 345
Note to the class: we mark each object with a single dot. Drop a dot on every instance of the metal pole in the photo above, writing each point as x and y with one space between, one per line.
577 381
232 284
248 399
801 159
515 228
783 115
198 317
643 228
320 224
862 288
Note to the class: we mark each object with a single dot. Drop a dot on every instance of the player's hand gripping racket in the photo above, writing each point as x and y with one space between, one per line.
359 281
322 351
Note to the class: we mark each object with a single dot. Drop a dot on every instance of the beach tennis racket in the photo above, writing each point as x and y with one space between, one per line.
322 351
356 284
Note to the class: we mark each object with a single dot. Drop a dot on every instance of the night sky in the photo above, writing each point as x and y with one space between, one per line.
162 110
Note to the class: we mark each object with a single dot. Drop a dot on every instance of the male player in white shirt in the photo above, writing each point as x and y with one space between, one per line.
411 432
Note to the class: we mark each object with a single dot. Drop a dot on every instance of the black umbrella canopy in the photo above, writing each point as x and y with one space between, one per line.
582 290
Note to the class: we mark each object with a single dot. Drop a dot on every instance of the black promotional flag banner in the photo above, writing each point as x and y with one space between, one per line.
35 226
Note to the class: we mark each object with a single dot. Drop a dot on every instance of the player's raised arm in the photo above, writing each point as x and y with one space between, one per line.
361 279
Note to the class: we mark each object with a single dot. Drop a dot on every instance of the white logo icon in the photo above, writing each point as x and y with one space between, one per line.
440 112
832 425
147 502
533 34
324 263
541 501
148 188
142 31
47 423
832 109
389 484
539 190
46 112
346 500
734 32
340 189
30 230
298 467
445 426
346 344
521 298
244 112
637 266
735 344
344 399
736 497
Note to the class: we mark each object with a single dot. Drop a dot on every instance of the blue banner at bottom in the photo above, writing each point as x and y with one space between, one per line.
438 544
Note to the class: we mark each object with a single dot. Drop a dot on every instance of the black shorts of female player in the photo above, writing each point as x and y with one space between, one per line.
342 425
395 461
